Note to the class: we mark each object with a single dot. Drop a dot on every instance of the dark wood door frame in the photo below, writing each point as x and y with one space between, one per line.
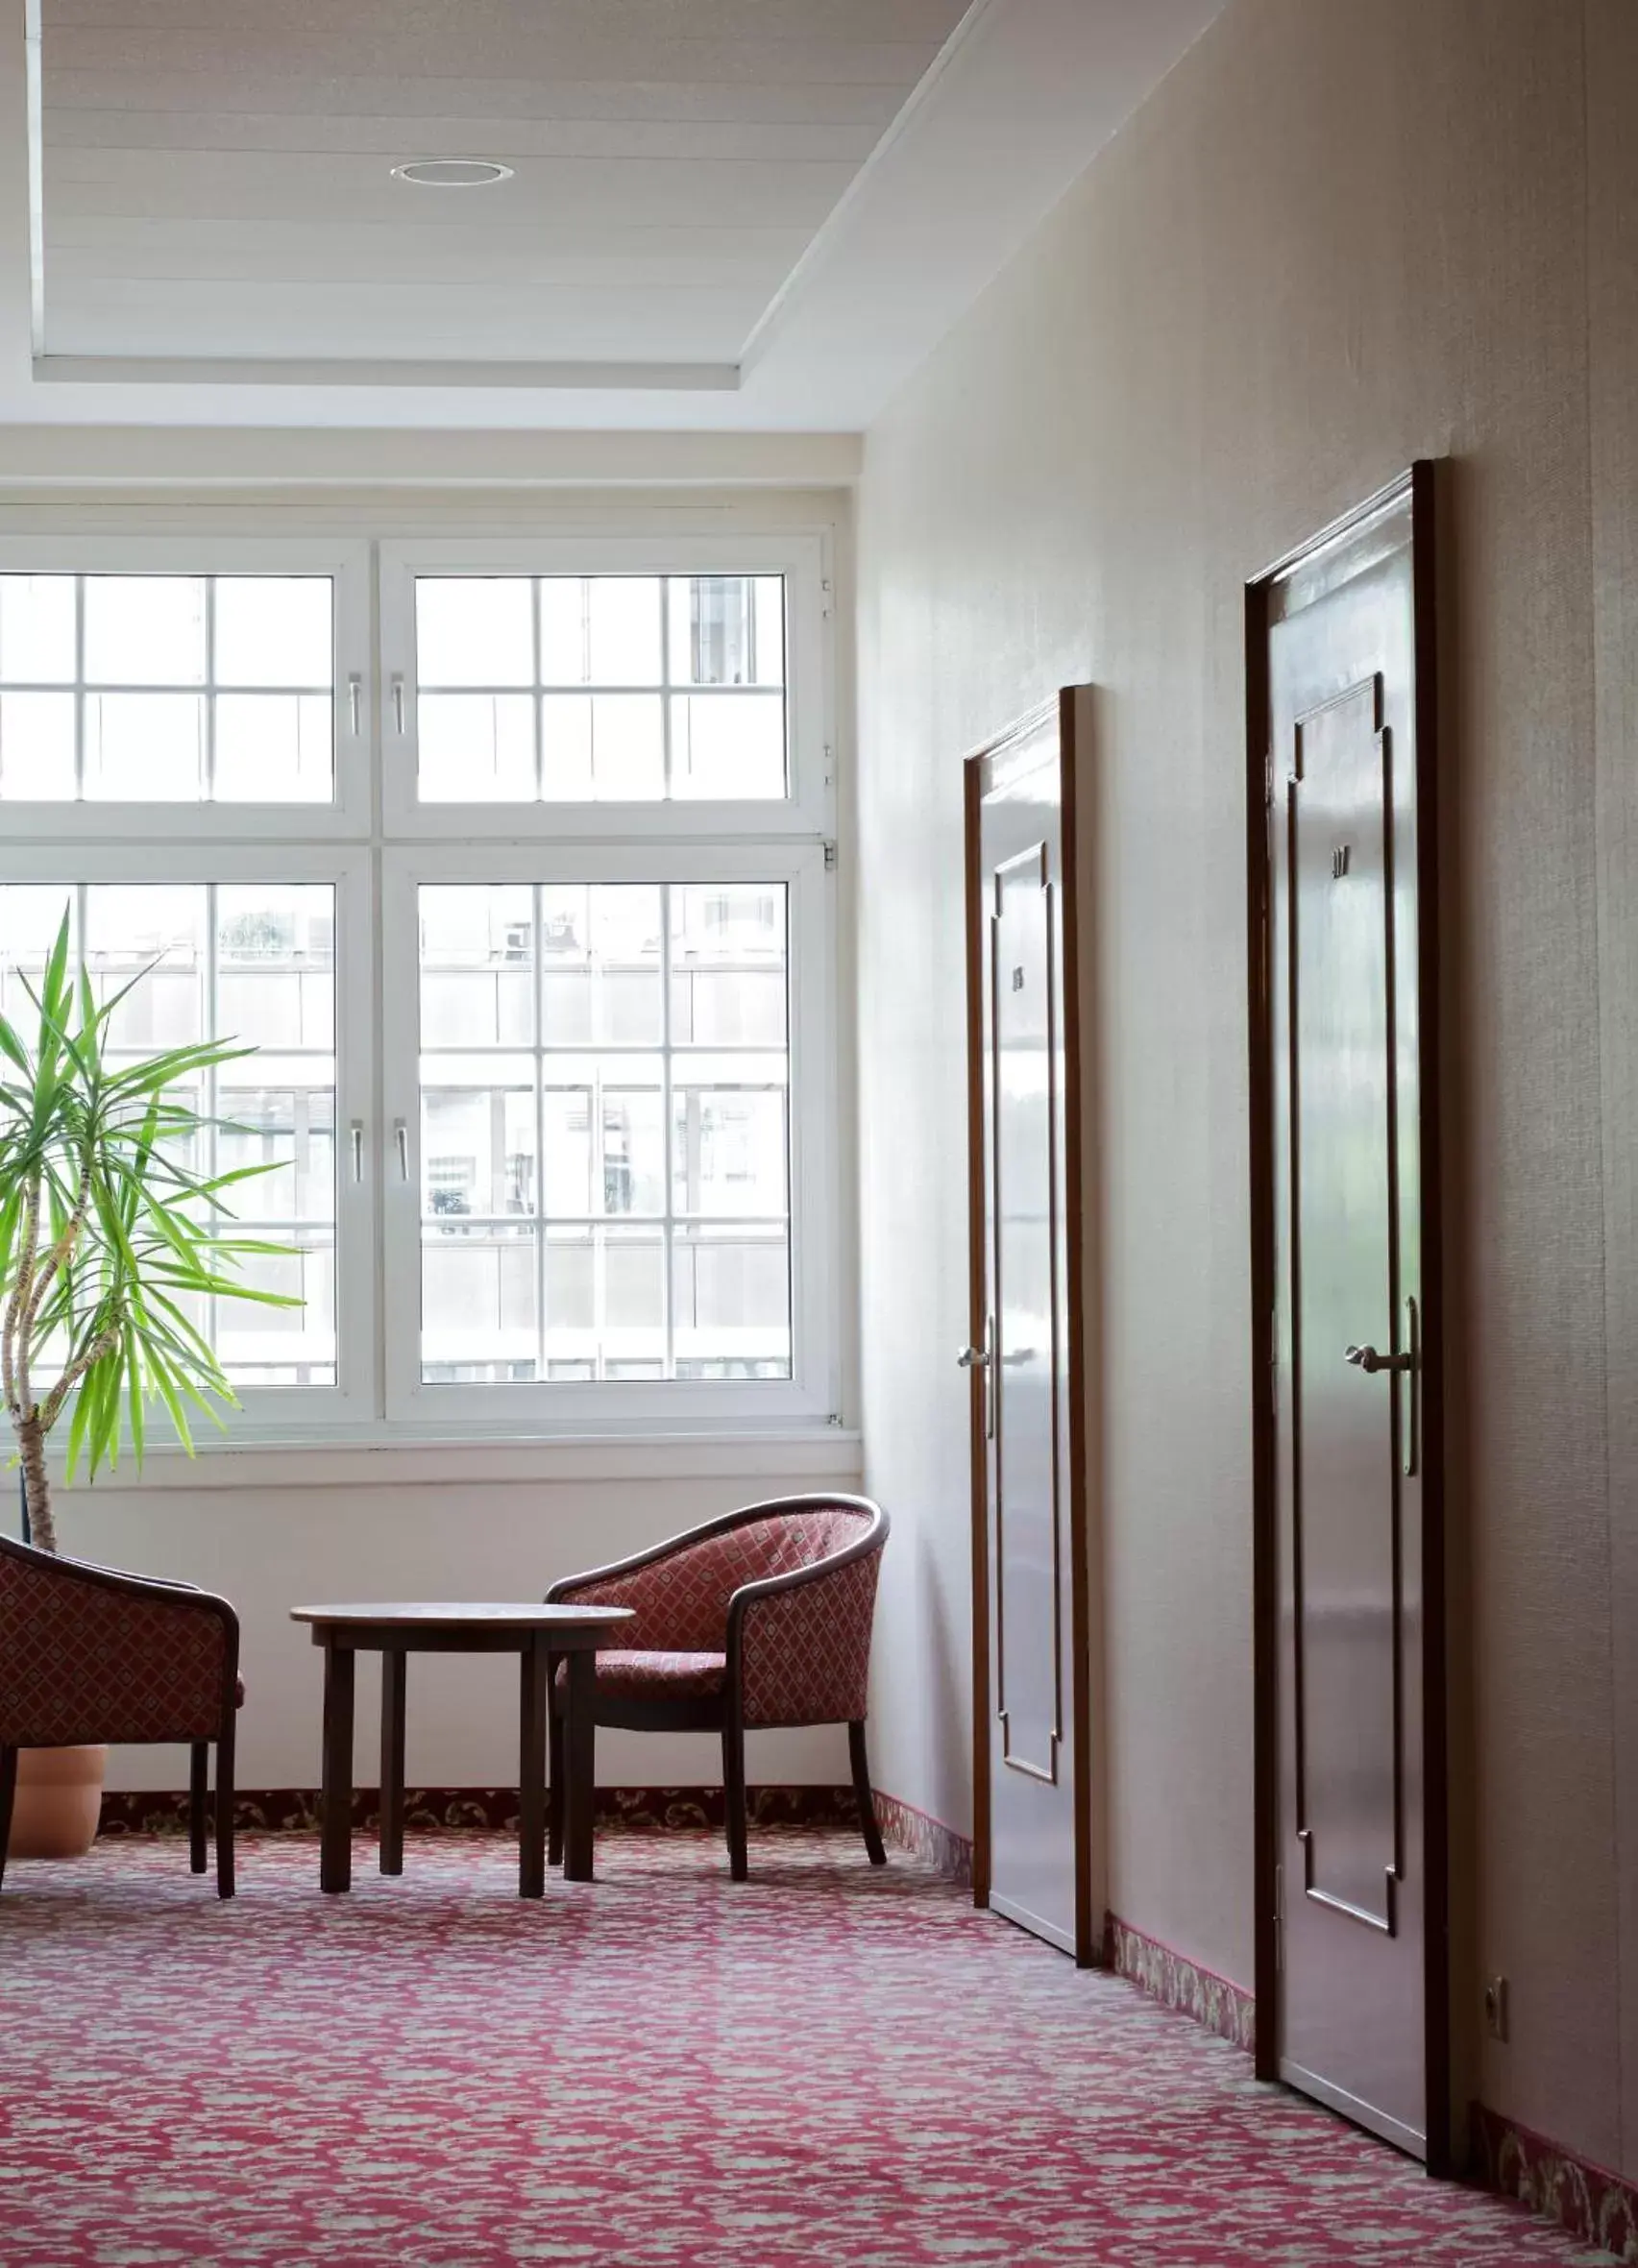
977 771
1259 947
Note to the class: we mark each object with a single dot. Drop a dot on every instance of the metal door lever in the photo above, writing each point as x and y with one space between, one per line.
1367 1358
973 1358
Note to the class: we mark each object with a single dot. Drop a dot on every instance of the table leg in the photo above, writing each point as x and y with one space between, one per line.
531 1772
335 1850
579 1776
394 1664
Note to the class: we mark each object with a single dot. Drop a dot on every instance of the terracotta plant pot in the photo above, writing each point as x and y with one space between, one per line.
60 1799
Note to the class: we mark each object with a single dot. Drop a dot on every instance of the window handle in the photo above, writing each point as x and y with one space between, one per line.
357 1132
354 700
401 1136
398 700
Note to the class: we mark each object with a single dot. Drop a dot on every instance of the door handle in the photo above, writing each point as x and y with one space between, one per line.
973 1358
1367 1358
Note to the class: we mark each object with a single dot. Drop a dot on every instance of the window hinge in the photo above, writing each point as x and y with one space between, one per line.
830 858
835 1418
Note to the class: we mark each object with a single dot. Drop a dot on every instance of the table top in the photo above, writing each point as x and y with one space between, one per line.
463 1614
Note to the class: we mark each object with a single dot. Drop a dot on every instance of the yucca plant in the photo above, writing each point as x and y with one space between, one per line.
106 1234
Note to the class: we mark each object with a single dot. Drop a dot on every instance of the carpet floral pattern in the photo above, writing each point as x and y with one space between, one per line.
828 2066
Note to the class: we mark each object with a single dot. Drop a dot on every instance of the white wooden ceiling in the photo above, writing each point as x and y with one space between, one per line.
217 173
741 217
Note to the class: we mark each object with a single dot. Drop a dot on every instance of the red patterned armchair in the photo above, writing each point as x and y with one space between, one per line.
760 1618
91 1655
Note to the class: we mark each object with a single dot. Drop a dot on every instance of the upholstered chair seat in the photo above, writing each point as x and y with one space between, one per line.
91 1655
760 1619
636 1676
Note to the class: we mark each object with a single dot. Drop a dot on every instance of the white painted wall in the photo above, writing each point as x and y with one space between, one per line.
1337 239
430 1523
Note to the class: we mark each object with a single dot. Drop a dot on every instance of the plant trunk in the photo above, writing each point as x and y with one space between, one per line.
37 1481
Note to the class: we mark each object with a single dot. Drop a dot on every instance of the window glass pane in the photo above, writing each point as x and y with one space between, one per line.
632 1122
288 1133
144 747
259 1346
657 1104
251 961
602 748
36 747
600 965
276 964
475 630
30 913
727 629
480 1304
37 629
728 744
731 1302
623 629
476 747
477 1139
729 1137
157 932
275 630
477 966
275 747
144 630
728 977
565 631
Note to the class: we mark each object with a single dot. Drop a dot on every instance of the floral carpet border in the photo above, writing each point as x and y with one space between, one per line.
431 1810
1180 1984
925 1838
1592 2203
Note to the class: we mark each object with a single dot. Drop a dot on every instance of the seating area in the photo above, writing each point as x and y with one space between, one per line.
761 1619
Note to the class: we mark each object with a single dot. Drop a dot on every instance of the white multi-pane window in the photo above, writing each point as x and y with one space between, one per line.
521 899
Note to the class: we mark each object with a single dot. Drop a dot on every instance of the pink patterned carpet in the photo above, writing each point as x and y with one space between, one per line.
825 2067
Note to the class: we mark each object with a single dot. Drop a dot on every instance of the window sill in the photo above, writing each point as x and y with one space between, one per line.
826 1454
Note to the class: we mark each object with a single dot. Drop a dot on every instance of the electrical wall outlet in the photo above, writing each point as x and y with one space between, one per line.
1496 2007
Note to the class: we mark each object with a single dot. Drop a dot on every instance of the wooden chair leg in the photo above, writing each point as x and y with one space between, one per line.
8 1791
862 1790
554 1773
225 1811
199 1782
734 1795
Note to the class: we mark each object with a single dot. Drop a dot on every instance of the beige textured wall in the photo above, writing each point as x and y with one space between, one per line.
1342 235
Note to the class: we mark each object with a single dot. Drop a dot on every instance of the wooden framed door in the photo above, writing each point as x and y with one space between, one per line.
1352 1942
1032 1661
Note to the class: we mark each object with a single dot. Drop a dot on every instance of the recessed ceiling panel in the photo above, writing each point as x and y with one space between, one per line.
217 174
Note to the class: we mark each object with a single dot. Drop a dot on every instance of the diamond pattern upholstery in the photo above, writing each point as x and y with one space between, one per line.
82 1660
806 1652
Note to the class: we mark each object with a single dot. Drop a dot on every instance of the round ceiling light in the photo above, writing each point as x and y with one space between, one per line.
452 173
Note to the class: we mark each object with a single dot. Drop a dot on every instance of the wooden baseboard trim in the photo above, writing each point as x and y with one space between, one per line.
1178 1983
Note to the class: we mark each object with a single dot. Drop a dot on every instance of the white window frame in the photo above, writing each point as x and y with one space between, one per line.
809 1396
310 1412
808 807
377 843
346 563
